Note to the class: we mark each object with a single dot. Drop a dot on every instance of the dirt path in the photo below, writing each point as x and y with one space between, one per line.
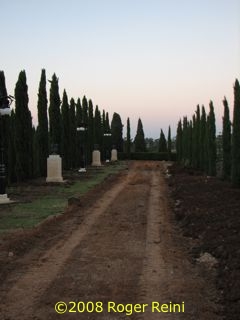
125 251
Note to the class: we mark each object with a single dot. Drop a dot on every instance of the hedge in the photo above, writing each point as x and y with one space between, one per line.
155 156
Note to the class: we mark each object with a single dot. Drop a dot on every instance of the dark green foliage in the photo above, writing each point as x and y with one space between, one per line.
226 141
42 130
117 132
179 141
85 110
155 156
98 128
128 142
196 121
5 133
3 89
79 122
72 134
90 131
139 141
235 173
211 141
169 143
23 130
54 113
162 147
107 125
11 152
65 147
36 155
203 147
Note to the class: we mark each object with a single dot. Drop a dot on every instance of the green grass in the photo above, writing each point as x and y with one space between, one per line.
27 215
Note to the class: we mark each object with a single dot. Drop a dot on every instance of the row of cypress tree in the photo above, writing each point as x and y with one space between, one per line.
27 148
196 141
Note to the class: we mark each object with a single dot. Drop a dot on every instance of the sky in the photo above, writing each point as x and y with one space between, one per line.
153 59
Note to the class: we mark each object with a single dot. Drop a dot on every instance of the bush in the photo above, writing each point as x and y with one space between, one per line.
155 156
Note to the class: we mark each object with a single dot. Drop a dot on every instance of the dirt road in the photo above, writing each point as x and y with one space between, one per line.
121 250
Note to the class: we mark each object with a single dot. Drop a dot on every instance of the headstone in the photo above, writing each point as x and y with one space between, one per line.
114 155
4 199
96 158
54 168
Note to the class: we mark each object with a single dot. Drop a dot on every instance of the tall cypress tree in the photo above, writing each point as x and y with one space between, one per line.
117 132
107 123
98 129
203 153
139 141
90 130
169 144
65 147
212 150
162 147
23 129
72 134
226 141
54 113
128 148
179 141
235 173
79 122
42 130
4 123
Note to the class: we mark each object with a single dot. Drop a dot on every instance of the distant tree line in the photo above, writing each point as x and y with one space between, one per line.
199 147
27 147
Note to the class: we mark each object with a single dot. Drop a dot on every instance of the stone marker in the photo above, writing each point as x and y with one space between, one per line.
96 158
114 155
54 168
4 199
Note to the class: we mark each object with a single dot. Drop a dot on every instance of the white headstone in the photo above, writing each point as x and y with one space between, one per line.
114 155
4 199
54 168
96 158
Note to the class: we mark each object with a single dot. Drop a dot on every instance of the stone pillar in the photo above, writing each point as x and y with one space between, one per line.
114 155
54 168
96 158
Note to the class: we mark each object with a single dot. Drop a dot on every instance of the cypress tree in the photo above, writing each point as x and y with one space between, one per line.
162 147
179 141
235 173
4 123
79 122
23 127
36 154
197 137
65 148
85 110
169 144
72 134
54 113
42 130
98 129
11 149
212 151
203 153
107 123
139 141
128 149
90 130
185 142
116 130
226 141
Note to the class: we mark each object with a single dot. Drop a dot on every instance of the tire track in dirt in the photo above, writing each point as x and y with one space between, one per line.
19 301
168 276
